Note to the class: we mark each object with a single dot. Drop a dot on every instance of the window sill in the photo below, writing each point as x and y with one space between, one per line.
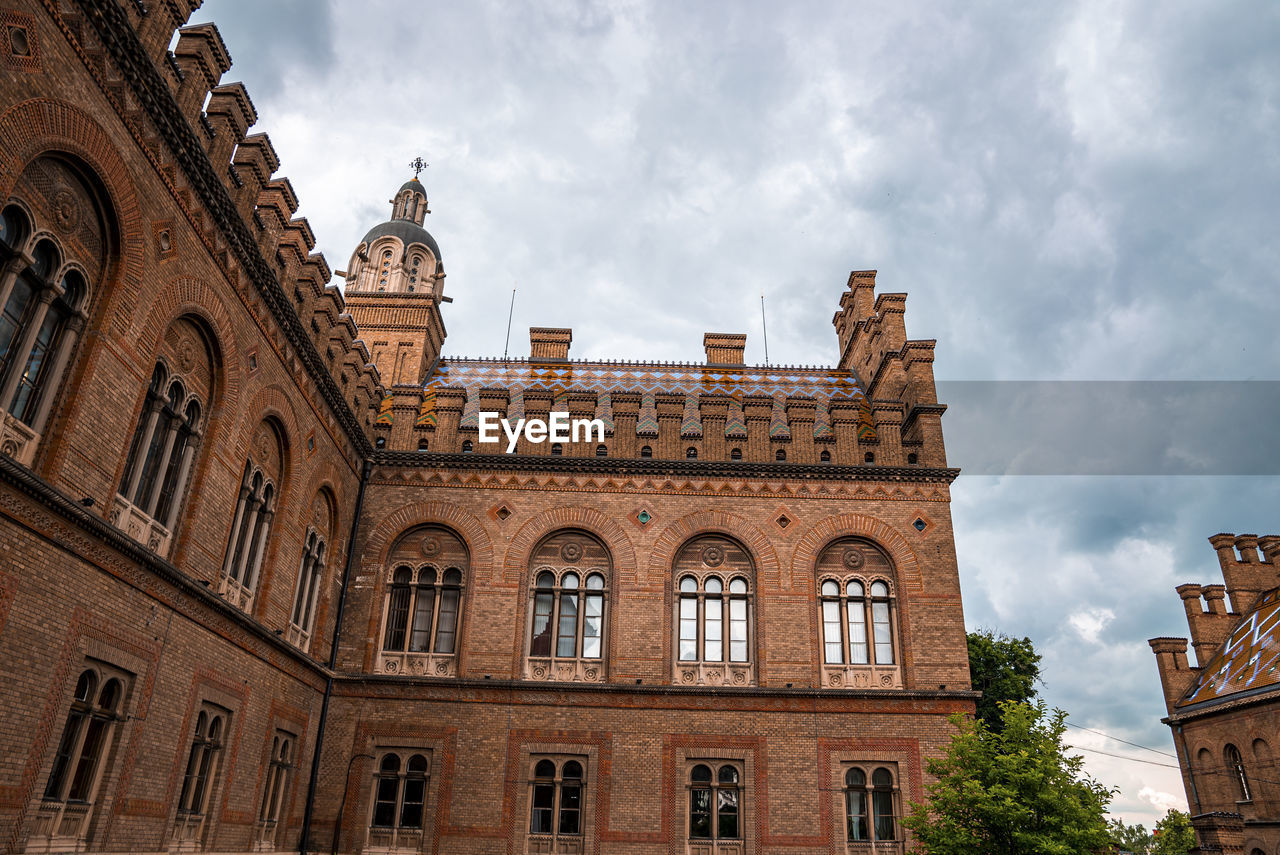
564 670
862 677
18 441
131 520
714 674
417 664
550 844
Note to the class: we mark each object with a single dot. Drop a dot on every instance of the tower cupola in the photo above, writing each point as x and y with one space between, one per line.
399 255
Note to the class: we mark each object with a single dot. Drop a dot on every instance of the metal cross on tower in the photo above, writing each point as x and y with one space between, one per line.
417 165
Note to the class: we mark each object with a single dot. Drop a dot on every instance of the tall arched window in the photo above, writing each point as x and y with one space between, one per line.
311 572
714 635
204 761
858 616
870 812
568 600
254 513
274 789
422 619
399 801
1235 767
557 791
715 804
87 738
53 244
166 440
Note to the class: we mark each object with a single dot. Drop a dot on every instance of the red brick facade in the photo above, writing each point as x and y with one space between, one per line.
1225 710
259 573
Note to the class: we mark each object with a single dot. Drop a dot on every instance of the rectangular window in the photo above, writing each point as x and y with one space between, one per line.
856 810
544 798
713 649
397 617
592 622
448 628
424 608
567 640
831 635
700 813
384 804
688 629
884 640
542 606
737 630
857 633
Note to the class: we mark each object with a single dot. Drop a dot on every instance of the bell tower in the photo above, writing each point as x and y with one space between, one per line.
394 288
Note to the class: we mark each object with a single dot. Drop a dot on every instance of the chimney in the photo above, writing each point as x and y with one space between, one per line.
724 348
549 345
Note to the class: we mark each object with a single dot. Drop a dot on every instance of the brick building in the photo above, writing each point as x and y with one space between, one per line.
265 586
1225 710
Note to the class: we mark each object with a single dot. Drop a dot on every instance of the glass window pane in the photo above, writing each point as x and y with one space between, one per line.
82 781
856 811
853 589
570 808
714 586
540 643
879 589
544 796
447 627
727 775
738 630
882 805
880 626
738 586
384 805
570 580
727 811
713 643
857 633
415 791
427 576
832 637
453 577
544 769
700 774
592 626
11 319
700 812
546 580
595 582
830 588
881 778
62 759
397 618
688 629
420 637
567 637
688 585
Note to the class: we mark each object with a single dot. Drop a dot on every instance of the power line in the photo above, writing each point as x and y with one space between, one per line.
1123 757
1125 741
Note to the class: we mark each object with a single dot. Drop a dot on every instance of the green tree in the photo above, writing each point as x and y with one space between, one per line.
1130 838
1174 835
1003 669
1011 792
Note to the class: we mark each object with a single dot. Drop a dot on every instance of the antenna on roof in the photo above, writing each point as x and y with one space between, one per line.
510 312
765 325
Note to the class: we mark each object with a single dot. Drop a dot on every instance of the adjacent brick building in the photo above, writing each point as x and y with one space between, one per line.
1225 710
264 585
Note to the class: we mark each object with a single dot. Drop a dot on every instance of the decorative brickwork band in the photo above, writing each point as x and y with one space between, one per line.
427 412
471 410
604 412
822 421
735 423
647 421
560 401
385 416
778 427
515 404
691 424
866 421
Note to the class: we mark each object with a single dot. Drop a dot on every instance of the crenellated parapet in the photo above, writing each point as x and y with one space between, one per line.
897 373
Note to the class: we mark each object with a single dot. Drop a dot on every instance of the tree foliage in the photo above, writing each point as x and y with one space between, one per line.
1011 792
1003 669
1173 835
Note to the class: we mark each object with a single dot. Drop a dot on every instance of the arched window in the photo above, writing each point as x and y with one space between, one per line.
691 453
881 823
825 456
47 262
913 458
780 455
869 457
424 603
466 446
380 442
602 450
204 761
422 444
273 790
310 573
78 763
569 577
557 449
714 637
255 510
646 451
858 617
557 790
715 804
167 437
399 801
1235 766
735 454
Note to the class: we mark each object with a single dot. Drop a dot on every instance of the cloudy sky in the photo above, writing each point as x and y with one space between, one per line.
1078 191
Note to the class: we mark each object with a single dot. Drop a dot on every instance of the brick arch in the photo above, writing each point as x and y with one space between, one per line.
879 532
768 567
44 125
183 296
272 402
568 517
378 546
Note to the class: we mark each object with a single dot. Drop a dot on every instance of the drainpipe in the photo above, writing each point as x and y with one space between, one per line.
309 810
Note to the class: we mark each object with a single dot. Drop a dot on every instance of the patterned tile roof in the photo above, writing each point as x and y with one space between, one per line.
1250 658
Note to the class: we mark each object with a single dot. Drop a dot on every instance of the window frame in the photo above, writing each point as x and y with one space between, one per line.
874 797
402 658
554 665
715 786
280 765
398 834
556 784
306 598
202 774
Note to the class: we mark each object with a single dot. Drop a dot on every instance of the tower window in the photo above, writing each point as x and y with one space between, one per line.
602 450
466 446
691 453
869 457
735 454
557 449
780 454
646 451
912 458
825 457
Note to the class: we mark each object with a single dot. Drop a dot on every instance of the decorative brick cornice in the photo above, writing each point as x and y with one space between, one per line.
148 87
